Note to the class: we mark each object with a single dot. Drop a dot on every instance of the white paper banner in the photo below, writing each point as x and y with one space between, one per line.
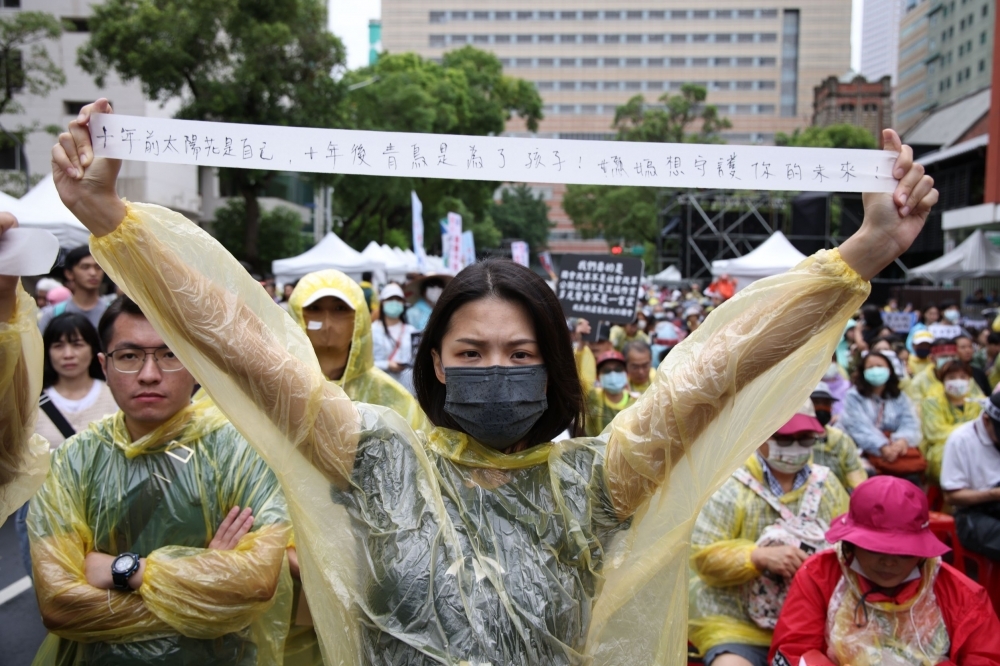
504 159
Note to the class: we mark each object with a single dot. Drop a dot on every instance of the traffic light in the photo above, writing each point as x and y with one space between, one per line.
616 249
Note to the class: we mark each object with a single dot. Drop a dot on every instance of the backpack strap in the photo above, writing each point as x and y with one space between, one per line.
57 418
744 477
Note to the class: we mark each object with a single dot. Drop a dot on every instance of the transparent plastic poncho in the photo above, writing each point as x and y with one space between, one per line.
24 456
162 496
722 575
435 549
860 631
361 381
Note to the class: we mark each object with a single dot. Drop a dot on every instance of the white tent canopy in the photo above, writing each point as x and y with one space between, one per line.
331 252
41 208
976 257
773 256
668 274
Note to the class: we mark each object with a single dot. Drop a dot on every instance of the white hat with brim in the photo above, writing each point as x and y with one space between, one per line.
327 291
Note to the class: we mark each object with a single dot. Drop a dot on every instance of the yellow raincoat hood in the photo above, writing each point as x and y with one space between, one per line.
362 381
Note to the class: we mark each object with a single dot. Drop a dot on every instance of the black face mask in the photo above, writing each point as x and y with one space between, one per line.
922 353
824 416
496 406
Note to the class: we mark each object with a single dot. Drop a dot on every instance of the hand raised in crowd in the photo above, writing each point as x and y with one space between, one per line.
233 528
783 561
891 222
8 283
87 185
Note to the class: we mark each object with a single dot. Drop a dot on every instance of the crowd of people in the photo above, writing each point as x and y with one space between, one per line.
448 470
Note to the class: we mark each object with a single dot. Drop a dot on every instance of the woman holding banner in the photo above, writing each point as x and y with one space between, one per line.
485 542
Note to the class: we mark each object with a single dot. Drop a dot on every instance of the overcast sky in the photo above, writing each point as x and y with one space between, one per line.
349 20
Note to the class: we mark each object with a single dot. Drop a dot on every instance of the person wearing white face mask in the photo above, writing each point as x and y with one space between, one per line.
879 417
392 345
429 289
954 400
611 396
751 538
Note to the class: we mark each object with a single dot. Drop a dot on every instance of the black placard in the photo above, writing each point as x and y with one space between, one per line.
600 287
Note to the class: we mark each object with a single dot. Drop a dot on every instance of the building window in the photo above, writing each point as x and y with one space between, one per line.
765 85
746 14
589 62
847 108
591 16
590 39
588 85
589 109
501 16
609 85
699 62
656 38
567 62
522 62
986 9
982 65
612 39
765 109
612 16
655 62
982 37
546 16
525 16
744 85
567 85
524 39
505 62
700 14
657 15
459 39
481 16
744 109
769 13
611 62
634 16
437 40
699 37
567 16
790 63
744 37
870 108
725 38
501 39
546 62
437 17
654 85
633 85
546 39
678 38
633 39
567 108
459 16
678 62
678 14
722 62
724 13
567 39
75 24
633 62
968 73
481 39
545 85
744 62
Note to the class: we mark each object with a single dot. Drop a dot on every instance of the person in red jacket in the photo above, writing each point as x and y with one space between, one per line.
883 595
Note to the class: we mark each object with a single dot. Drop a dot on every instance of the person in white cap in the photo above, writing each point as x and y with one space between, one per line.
392 337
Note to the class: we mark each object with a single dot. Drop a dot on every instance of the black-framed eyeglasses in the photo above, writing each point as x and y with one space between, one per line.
131 360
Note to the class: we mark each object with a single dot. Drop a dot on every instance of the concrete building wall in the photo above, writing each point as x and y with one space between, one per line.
960 48
880 38
912 95
174 186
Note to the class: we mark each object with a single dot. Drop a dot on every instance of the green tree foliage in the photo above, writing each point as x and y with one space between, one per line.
25 65
266 62
834 136
466 94
628 214
520 214
280 232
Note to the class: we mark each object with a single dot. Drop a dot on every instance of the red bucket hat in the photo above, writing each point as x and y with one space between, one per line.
888 515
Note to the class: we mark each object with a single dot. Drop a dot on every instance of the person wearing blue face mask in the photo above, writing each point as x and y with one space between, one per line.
878 416
612 396
483 540
392 337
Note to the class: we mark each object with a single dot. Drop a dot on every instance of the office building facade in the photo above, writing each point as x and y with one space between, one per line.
960 48
912 96
880 38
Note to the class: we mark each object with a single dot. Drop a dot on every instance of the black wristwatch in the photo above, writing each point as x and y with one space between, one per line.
122 569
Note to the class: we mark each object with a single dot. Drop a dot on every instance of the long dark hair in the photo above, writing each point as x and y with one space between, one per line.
508 281
73 327
891 391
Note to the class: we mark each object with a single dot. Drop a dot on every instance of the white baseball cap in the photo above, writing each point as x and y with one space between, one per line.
327 291
391 290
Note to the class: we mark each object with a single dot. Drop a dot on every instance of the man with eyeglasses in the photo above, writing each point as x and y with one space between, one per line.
159 535
639 366
752 536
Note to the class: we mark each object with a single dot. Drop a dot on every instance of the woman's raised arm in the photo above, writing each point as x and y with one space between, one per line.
253 360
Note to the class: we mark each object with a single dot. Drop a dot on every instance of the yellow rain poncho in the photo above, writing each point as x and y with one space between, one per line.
24 456
939 418
841 454
163 497
424 550
721 572
601 411
361 381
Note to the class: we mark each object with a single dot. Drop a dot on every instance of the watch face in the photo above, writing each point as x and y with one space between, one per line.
123 564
